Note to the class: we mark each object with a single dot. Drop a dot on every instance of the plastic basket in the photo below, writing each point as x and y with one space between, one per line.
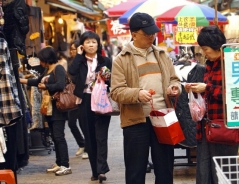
227 169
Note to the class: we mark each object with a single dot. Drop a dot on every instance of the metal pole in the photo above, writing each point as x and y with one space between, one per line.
216 17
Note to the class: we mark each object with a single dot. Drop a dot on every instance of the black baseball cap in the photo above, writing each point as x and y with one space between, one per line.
143 21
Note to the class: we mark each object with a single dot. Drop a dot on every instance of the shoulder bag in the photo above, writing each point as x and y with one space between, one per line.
65 100
217 132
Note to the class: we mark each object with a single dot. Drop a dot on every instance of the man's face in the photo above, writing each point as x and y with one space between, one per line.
142 40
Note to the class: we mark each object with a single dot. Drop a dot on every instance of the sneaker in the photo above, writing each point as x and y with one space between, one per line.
85 155
80 151
63 171
53 168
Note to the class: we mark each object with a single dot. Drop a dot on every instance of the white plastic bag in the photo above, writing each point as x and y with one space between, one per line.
197 106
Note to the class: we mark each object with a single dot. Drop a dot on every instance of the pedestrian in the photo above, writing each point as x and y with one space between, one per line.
85 65
210 39
53 80
139 67
74 115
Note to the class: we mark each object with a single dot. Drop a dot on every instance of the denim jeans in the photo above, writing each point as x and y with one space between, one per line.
58 136
206 173
137 140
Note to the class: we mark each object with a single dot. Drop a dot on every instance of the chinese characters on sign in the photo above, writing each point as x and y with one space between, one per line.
231 60
116 29
186 31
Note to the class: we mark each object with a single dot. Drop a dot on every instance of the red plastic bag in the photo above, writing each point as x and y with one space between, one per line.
99 99
197 106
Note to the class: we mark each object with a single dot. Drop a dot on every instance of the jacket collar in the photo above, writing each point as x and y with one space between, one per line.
129 49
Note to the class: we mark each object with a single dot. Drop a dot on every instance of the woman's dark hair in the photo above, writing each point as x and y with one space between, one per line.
47 55
76 43
211 36
90 34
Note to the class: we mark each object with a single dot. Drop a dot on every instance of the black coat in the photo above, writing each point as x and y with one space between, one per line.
79 70
182 109
16 24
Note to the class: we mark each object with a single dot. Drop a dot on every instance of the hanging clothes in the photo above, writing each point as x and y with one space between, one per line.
35 26
16 24
59 33
9 102
76 30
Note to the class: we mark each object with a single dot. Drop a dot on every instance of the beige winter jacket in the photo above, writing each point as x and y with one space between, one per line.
125 84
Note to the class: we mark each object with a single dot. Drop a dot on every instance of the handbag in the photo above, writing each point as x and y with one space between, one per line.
65 100
46 103
217 132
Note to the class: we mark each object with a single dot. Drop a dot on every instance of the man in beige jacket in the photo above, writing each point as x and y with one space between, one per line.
139 67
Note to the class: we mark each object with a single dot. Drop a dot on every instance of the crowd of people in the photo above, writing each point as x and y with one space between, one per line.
139 67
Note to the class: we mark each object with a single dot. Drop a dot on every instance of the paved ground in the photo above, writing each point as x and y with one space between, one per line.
35 173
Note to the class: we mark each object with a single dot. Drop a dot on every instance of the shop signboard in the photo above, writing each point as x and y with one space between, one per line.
186 31
230 70
116 29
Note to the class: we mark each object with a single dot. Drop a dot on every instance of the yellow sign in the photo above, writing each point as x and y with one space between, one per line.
187 22
186 31
186 37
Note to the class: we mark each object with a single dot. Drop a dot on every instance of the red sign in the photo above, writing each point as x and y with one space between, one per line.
116 29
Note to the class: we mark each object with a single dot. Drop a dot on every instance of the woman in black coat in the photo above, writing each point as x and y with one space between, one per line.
84 67
53 80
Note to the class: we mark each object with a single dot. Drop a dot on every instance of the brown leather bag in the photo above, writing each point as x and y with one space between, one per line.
65 100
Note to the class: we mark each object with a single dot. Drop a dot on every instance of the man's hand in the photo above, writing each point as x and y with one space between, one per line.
144 96
173 91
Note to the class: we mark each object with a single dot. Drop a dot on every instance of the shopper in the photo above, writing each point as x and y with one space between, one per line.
210 40
84 67
74 115
48 81
138 68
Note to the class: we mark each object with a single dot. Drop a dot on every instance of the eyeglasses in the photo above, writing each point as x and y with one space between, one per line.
72 49
147 35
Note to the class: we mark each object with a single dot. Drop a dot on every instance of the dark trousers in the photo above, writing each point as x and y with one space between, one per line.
206 172
73 116
95 128
137 140
58 136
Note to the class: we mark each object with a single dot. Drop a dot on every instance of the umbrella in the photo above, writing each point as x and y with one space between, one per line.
120 9
204 14
152 7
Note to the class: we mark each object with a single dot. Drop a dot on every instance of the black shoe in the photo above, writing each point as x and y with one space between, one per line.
94 178
101 178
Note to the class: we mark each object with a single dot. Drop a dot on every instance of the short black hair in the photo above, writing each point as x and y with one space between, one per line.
90 34
47 55
211 36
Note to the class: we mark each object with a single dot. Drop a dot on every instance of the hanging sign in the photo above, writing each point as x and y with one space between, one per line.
116 29
231 85
186 31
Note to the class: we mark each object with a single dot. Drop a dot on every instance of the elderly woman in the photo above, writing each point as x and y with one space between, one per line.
84 67
210 40
53 80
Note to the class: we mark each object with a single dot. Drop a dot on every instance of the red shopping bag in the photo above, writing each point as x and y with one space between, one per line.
166 126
